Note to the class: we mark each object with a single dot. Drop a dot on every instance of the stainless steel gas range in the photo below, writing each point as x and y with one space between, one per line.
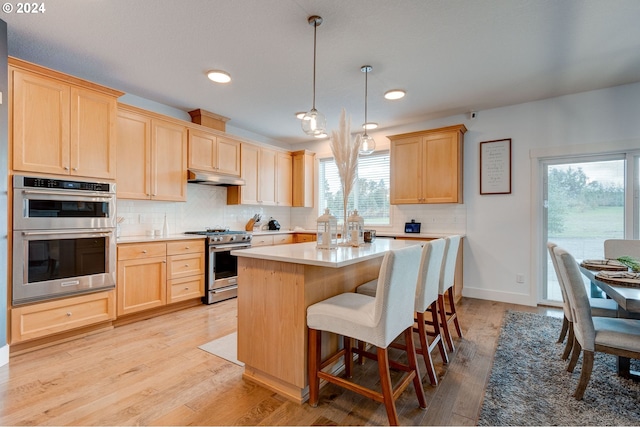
222 268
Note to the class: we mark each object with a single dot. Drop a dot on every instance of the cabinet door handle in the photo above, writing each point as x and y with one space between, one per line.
69 314
144 251
75 169
186 265
66 168
186 289
186 247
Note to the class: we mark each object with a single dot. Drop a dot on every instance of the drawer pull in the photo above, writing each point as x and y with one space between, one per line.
187 247
186 265
144 251
68 314
186 289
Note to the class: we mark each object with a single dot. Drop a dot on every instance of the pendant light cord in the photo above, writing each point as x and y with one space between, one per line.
366 75
315 28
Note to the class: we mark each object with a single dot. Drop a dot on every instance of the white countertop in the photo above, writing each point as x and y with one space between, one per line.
379 233
308 253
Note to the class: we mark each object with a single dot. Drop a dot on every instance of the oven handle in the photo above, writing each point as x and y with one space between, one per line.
228 247
58 232
89 194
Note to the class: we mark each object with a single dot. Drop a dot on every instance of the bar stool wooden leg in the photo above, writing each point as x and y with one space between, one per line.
453 315
444 324
348 357
385 383
438 332
315 346
564 330
413 365
424 349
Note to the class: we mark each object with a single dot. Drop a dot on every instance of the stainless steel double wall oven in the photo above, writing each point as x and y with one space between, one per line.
64 239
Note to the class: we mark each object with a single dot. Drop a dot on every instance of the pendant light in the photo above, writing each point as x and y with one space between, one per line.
367 144
314 122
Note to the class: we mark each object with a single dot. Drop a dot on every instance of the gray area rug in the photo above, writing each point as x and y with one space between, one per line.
529 383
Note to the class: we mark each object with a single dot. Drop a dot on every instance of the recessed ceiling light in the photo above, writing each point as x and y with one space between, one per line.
394 94
219 76
300 114
370 125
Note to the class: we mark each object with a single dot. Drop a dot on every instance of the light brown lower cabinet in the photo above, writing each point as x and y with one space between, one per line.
305 237
151 275
51 317
282 239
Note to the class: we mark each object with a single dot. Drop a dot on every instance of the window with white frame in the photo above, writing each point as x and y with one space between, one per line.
370 195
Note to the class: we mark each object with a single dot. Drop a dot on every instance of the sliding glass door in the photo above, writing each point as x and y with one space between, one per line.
585 203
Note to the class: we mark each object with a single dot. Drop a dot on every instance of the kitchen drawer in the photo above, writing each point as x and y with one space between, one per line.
186 288
39 320
185 265
301 238
185 247
262 241
142 250
283 239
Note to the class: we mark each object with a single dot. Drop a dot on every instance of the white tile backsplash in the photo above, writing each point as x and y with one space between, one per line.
206 206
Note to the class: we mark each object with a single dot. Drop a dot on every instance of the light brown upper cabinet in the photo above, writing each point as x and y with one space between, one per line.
303 178
426 166
152 156
213 153
267 175
284 175
61 124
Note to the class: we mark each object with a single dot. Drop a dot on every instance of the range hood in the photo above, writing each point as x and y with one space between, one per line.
212 178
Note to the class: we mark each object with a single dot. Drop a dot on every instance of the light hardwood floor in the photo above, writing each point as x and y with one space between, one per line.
152 373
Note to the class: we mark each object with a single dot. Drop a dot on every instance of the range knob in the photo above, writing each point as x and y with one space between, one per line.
232 238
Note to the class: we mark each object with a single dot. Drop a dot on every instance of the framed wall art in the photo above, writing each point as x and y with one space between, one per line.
495 167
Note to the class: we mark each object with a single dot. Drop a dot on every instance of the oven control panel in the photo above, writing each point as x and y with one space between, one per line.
63 184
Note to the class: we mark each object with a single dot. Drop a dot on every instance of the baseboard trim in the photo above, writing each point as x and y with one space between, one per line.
4 355
511 298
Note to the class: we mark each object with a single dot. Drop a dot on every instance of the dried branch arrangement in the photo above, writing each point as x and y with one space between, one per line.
345 152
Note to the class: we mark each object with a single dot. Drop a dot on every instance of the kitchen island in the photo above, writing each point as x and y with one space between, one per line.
276 284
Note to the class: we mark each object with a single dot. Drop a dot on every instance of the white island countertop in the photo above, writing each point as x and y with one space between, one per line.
308 253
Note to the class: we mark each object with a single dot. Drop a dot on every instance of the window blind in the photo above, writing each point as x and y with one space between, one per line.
370 195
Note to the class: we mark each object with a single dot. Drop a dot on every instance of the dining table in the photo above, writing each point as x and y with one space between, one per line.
625 291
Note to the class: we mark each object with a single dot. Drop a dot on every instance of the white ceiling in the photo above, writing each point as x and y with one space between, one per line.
451 56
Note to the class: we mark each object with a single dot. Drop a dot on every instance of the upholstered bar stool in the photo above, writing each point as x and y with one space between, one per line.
599 307
426 297
446 287
375 320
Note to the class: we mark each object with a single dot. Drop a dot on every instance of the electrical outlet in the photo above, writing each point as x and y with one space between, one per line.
142 218
520 278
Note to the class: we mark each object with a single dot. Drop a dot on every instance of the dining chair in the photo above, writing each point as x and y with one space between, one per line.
599 307
426 301
375 320
615 336
447 276
616 248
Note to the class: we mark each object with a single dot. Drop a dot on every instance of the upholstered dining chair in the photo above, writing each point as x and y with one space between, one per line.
426 298
446 288
616 248
599 307
375 320
616 336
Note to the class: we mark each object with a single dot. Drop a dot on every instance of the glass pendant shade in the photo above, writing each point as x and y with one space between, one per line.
367 145
314 123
